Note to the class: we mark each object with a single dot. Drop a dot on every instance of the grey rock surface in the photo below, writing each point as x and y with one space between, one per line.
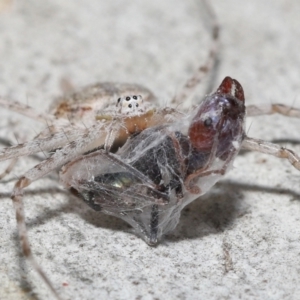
242 240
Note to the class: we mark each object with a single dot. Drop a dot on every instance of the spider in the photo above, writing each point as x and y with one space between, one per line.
126 157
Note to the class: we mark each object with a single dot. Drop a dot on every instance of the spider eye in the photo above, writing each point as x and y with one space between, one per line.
119 100
137 105
208 122
130 105
127 98
134 97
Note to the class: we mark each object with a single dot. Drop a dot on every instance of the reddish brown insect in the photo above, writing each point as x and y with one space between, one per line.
149 180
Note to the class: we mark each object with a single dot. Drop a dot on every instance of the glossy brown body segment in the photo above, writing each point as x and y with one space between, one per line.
217 122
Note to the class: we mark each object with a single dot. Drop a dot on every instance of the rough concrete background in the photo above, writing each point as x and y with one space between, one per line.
240 241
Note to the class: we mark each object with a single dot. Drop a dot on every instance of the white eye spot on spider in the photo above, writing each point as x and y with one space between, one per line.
131 105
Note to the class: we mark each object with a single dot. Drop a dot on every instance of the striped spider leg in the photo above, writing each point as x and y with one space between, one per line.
267 147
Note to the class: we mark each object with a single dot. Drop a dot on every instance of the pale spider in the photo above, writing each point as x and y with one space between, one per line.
126 157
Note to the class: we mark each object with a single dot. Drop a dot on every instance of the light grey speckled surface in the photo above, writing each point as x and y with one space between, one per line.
242 241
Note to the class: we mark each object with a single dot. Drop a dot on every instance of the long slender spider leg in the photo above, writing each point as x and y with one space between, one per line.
52 142
84 142
8 168
13 162
11 165
23 235
271 149
254 110
26 110
60 157
192 83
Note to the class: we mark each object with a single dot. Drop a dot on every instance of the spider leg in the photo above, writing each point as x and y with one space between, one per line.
37 145
254 110
70 151
85 142
23 235
11 164
271 149
51 142
104 132
192 83
26 110
8 168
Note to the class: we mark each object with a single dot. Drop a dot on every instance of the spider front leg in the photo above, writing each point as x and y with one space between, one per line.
267 147
193 82
9 168
83 143
254 110
26 110
39 145
23 235
271 149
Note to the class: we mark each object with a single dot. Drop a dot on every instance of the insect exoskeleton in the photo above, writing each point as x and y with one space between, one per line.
160 170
